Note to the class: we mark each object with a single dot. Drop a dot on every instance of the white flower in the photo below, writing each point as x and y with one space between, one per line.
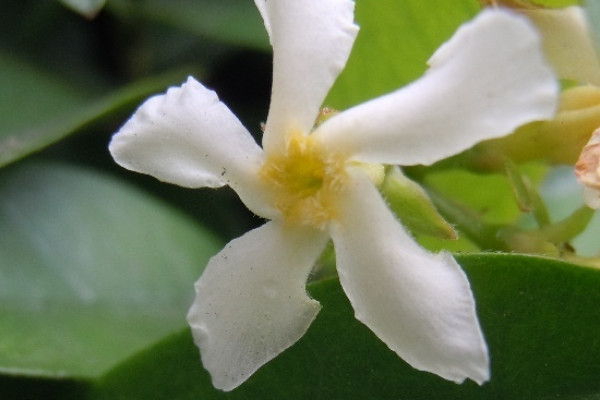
314 185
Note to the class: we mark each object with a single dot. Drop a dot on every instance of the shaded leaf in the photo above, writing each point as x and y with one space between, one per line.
30 97
91 270
21 388
38 109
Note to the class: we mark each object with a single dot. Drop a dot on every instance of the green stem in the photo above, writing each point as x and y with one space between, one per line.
565 230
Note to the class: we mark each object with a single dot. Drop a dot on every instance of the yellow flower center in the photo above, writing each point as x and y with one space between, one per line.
305 179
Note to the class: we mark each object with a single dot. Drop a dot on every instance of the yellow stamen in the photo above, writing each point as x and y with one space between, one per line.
305 180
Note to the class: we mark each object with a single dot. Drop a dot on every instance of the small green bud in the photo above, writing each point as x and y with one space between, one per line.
413 207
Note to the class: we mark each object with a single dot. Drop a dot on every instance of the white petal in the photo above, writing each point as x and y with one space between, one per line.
487 80
568 42
189 138
311 43
251 301
418 303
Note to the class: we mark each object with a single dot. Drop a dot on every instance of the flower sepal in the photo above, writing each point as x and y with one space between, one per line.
411 204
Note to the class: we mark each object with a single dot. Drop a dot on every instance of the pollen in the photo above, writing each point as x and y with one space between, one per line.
305 180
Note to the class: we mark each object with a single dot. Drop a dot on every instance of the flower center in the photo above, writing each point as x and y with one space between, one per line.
305 180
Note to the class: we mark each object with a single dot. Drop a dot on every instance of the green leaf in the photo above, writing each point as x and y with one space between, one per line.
395 40
235 22
87 8
38 109
91 270
540 318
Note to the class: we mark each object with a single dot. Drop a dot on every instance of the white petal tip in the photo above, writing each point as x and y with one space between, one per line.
251 303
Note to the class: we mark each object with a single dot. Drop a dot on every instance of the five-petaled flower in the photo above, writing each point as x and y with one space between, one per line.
312 184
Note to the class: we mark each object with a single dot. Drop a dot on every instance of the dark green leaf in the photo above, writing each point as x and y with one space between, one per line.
21 388
38 109
30 97
91 270
540 318
236 22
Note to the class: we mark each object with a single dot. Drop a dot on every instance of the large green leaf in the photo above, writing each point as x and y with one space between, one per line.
38 109
91 270
540 318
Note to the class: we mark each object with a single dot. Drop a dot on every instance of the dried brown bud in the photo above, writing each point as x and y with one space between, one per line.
587 170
